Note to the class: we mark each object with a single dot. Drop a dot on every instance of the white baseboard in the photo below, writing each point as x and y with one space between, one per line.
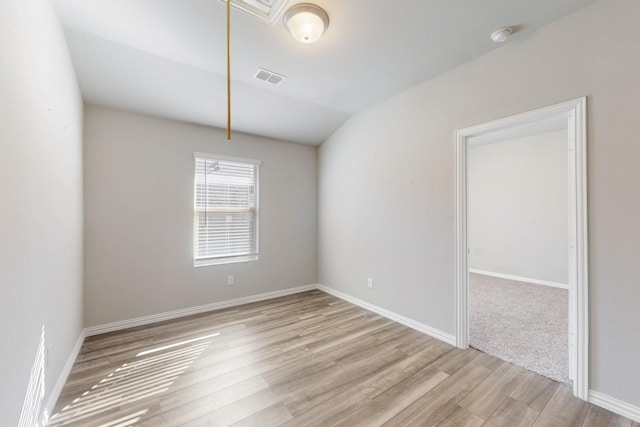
154 318
420 327
62 378
614 405
520 279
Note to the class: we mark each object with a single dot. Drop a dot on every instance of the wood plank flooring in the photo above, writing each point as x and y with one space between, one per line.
304 360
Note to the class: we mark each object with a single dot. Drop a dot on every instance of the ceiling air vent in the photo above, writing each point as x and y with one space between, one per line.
268 11
269 76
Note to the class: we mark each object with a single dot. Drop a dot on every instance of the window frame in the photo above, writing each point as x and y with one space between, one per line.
202 262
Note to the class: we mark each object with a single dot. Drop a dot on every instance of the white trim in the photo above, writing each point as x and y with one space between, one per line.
614 405
205 262
62 378
227 158
154 318
575 111
462 246
520 279
580 261
420 327
146 320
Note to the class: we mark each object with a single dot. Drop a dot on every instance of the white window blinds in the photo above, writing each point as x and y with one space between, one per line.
226 210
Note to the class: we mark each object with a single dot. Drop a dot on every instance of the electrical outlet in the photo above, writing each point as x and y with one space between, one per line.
370 283
230 280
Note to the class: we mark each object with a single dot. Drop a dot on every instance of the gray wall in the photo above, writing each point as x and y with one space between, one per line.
40 199
518 207
387 179
139 217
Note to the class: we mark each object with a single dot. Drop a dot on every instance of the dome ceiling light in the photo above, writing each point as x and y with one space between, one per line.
306 22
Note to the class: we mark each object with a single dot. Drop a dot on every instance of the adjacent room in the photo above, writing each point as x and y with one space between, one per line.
248 213
518 246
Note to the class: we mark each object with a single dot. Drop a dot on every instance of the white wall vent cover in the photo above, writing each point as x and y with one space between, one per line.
268 11
269 76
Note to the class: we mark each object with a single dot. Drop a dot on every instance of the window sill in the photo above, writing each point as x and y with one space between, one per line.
221 261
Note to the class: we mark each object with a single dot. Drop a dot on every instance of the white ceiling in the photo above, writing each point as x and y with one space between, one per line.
167 57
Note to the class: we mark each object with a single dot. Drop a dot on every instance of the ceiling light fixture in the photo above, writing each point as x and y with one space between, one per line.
306 22
501 35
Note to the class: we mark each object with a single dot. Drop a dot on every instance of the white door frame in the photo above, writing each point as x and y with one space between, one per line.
575 111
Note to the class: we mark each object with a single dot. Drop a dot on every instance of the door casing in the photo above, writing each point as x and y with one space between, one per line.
575 112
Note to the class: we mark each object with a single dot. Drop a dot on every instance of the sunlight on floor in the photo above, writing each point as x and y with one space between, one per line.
131 382
155 350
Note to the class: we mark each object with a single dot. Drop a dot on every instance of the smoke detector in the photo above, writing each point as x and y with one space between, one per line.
501 35
269 76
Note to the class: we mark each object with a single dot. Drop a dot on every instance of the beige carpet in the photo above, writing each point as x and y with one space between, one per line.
521 323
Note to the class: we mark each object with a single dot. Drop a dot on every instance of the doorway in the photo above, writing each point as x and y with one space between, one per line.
517 223
573 114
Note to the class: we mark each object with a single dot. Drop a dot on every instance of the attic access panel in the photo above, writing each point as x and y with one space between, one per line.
268 11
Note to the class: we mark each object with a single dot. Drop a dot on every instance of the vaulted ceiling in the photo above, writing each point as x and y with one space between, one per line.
168 57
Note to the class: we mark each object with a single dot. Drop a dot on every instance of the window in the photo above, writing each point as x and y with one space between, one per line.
225 210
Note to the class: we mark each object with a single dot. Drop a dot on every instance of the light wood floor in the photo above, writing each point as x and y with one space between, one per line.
305 359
